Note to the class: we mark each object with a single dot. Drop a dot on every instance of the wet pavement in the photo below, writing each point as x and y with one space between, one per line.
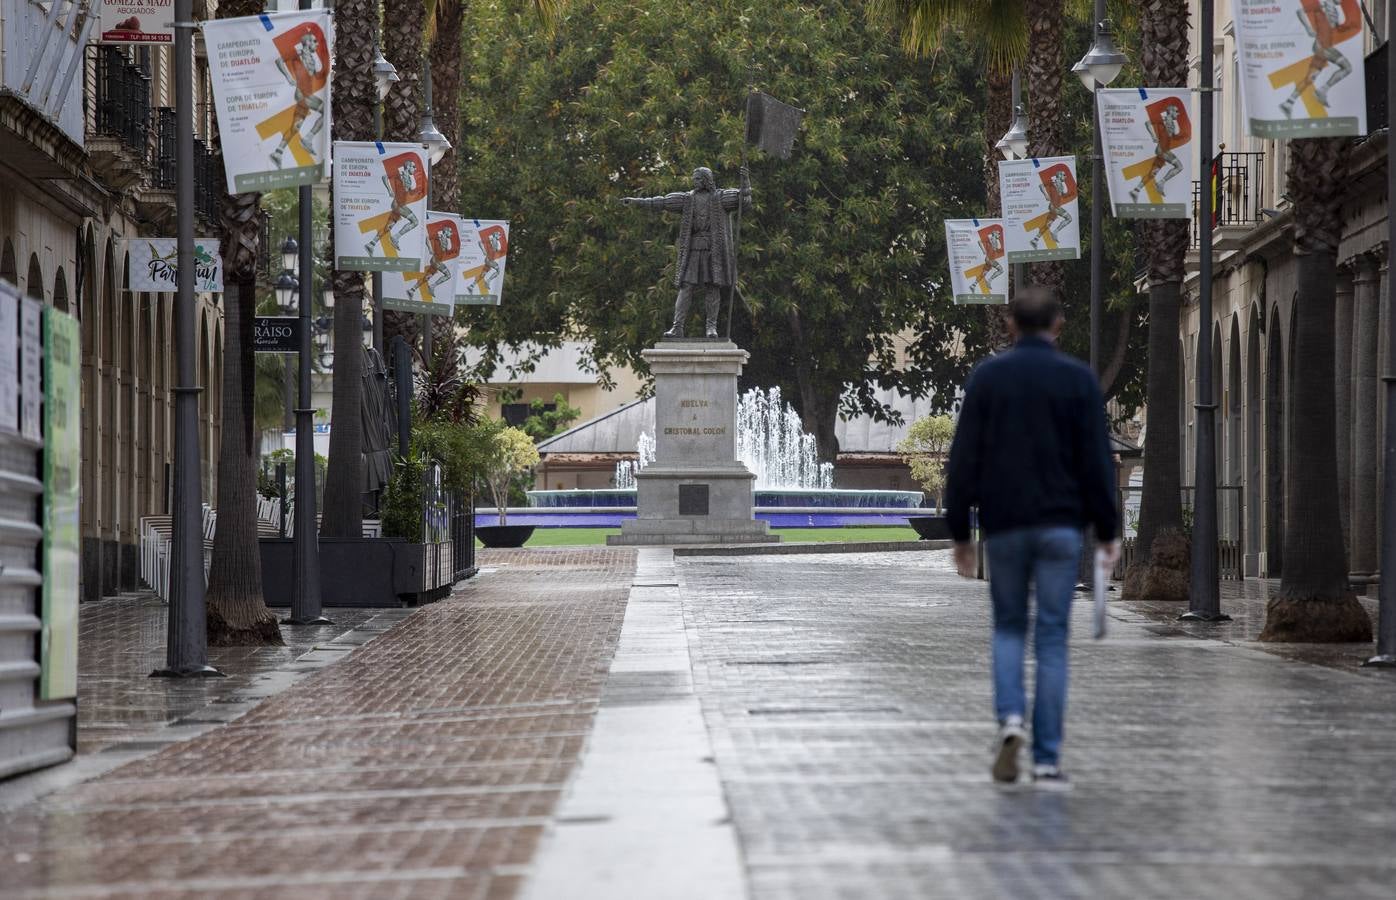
425 763
847 699
602 723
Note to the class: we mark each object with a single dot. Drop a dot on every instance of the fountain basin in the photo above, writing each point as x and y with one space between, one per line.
778 517
797 498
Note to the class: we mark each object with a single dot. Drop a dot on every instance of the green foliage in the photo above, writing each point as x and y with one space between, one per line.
401 507
844 249
925 447
462 450
266 475
543 423
506 454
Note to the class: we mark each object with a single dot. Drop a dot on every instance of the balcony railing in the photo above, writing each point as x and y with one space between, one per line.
208 186
122 98
1240 191
163 163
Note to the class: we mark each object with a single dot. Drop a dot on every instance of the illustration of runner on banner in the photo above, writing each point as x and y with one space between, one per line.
976 250
485 250
271 91
431 290
1302 72
380 206
1040 215
1145 133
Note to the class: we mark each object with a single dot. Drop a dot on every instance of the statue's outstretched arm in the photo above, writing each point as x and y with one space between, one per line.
730 196
667 203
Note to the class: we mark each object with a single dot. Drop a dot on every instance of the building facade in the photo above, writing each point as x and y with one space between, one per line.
87 134
1252 327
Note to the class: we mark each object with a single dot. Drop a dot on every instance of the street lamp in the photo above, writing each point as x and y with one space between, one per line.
290 255
1014 143
1103 62
384 73
286 288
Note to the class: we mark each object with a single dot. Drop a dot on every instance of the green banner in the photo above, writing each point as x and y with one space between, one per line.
62 464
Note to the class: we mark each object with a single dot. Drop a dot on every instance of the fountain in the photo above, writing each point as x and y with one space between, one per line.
792 487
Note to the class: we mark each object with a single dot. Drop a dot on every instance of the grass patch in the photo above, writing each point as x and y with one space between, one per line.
584 537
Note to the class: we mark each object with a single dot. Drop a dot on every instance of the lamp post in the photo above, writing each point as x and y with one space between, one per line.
384 77
186 648
1204 595
1014 145
286 290
1386 592
305 601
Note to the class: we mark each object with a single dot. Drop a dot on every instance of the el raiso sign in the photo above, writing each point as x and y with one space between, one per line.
154 265
276 334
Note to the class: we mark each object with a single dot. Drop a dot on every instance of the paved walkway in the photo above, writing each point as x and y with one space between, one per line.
604 723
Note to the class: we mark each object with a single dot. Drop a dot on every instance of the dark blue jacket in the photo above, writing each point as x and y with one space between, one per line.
1031 446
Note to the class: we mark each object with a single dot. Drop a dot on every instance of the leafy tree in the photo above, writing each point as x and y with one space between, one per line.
506 453
924 448
542 423
844 249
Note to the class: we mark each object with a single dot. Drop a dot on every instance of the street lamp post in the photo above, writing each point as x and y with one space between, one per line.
384 77
305 602
1204 595
287 289
1014 145
186 649
1386 611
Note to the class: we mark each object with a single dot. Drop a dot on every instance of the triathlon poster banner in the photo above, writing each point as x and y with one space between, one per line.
433 289
484 252
1301 67
1040 216
1147 135
976 251
271 91
380 206
135 22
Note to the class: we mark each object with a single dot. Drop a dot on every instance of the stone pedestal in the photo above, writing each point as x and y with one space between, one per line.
695 491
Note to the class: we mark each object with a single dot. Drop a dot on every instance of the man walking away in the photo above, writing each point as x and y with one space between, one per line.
1031 451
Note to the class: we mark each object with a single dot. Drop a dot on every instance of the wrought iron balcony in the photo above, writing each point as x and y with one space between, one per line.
1240 193
120 118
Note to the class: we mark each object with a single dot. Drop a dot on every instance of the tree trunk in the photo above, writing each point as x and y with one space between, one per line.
1165 575
354 94
404 22
1044 88
237 614
1314 603
818 411
445 59
998 115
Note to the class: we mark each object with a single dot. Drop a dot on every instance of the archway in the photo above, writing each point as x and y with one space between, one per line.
161 364
60 291
128 426
1254 477
145 427
1233 474
9 270
1275 395
205 408
106 329
34 281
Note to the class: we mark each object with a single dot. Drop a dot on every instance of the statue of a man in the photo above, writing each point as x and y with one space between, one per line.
706 254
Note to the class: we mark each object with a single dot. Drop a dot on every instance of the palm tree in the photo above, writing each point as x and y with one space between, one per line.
1314 603
443 37
1044 87
1163 41
353 99
236 612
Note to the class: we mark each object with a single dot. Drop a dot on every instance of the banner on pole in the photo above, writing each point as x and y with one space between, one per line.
135 22
271 91
1147 135
380 206
1041 220
976 251
433 289
771 125
1302 68
484 252
154 264
58 638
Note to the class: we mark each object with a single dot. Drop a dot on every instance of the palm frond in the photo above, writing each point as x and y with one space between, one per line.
997 28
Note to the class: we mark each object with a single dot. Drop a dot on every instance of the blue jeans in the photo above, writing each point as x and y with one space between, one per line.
1048 558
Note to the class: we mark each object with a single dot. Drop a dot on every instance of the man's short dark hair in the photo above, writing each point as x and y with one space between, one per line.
1035 309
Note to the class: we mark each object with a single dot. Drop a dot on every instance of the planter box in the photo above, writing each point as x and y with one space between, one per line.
362 572
504 536
930 528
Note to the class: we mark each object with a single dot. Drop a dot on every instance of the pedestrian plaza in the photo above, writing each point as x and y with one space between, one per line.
615 722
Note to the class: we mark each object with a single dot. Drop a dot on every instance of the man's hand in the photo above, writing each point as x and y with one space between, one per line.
966 560
1111 552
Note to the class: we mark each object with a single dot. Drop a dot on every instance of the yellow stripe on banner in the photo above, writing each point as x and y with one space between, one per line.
378 224
1039 224
280 124
1293 74
1145 169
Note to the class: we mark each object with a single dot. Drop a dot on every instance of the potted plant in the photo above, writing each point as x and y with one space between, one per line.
925 448
506 454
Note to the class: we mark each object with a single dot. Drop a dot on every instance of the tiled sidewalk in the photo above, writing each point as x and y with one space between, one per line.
848 703
424 765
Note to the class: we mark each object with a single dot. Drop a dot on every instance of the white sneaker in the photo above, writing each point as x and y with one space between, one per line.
1011 741
1050 778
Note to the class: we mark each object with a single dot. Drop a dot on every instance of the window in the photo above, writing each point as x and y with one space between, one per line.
516 413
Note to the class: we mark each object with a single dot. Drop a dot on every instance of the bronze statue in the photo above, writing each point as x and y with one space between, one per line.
706 255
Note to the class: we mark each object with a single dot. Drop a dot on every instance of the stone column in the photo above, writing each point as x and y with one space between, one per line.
1342 406
1383 354
1362 559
